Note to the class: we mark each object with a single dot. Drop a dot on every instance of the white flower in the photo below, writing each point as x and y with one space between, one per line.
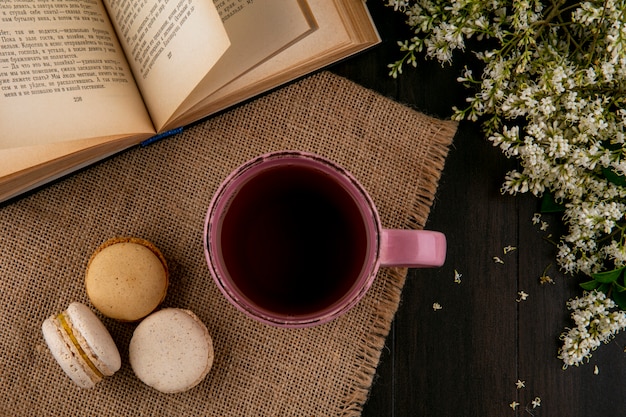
536 402
457 276
497 260
508 249
536 218
591 76
595 324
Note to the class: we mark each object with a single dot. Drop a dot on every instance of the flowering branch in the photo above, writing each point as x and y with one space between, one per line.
551 93
595 324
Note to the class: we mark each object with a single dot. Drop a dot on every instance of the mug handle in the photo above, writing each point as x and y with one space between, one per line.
412 248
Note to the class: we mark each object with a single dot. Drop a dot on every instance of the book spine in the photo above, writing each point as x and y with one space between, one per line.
160 136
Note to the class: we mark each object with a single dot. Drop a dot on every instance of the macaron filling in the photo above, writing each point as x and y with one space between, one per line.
64 322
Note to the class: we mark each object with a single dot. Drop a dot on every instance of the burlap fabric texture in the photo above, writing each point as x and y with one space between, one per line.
161 193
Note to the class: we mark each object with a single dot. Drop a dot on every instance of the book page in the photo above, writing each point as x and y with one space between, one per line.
345 27
49 162
63 75
258 30
170 45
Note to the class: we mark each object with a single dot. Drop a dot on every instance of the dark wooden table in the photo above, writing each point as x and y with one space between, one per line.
465 359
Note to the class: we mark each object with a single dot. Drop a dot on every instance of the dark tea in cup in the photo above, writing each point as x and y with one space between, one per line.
293 240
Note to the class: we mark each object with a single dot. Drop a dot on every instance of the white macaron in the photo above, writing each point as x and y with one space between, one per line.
171 350
82 345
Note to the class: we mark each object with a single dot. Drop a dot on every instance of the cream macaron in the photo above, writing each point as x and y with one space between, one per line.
126 278
82 345
171 350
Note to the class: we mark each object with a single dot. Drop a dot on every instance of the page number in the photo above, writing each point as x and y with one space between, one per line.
78 99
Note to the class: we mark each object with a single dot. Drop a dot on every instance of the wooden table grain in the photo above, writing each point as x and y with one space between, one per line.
465 359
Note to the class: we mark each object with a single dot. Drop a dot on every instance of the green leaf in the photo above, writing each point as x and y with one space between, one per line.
614 177
604 288
620 299
619 287
549 204
608 276
590 285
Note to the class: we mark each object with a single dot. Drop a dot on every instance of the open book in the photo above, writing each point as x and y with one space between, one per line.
83 79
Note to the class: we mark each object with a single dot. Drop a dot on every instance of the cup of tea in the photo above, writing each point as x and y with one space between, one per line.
294 240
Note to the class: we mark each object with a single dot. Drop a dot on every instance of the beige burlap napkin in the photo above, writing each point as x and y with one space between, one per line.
161 193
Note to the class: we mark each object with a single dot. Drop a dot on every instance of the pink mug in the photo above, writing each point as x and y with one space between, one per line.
294 240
